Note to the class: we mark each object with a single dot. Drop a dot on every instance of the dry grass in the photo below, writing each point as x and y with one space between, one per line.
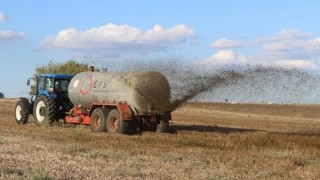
208 141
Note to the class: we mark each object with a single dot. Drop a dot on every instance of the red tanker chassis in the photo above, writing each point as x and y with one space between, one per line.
117 118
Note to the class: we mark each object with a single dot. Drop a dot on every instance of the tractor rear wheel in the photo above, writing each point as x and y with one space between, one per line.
116 125
98 120
22 111
44 111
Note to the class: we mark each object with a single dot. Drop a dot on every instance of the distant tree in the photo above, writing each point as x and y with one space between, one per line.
70 67
1 95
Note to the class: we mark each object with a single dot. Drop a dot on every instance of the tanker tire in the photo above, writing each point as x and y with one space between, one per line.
163 126
22 111
50 111
98 120
116 125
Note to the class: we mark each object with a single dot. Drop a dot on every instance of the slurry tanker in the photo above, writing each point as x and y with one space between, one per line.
113 102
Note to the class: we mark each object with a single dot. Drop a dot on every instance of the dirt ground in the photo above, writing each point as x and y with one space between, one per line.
207 141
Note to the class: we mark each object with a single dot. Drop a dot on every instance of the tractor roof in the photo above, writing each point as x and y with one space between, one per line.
57 76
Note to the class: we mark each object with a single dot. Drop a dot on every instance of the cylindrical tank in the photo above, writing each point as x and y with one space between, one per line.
145 92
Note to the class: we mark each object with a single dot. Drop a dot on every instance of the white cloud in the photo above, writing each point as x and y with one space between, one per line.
113 38
284 35
314 46
225 43
285 40
287 48
6 35
317 40
225 57
10 35
296 64
2 17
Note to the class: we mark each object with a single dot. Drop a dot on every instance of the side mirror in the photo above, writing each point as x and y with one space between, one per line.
28 82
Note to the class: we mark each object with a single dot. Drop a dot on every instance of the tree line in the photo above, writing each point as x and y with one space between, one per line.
70 67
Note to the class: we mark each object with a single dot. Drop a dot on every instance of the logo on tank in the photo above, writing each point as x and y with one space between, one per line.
86 85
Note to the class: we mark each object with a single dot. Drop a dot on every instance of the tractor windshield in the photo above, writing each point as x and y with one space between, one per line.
45 84
61 85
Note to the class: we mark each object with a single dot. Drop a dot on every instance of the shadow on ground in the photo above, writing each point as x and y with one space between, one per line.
174 128
208 128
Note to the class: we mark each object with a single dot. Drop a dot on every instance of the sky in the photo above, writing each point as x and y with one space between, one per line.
282 33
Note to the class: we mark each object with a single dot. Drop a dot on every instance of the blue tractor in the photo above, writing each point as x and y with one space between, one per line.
49 103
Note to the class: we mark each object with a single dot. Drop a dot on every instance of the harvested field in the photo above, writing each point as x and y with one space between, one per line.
208 141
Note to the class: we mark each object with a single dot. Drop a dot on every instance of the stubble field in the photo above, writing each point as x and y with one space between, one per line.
207 141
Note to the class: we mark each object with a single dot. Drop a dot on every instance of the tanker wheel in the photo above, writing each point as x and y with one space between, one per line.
22 111
98 120
44 111
116 125
163 126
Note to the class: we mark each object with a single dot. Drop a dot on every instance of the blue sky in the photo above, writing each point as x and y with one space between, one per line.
205 32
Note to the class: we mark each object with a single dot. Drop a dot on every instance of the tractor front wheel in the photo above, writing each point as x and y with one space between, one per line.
22 111
44 110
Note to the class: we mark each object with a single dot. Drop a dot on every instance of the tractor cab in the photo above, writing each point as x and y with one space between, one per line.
54 86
